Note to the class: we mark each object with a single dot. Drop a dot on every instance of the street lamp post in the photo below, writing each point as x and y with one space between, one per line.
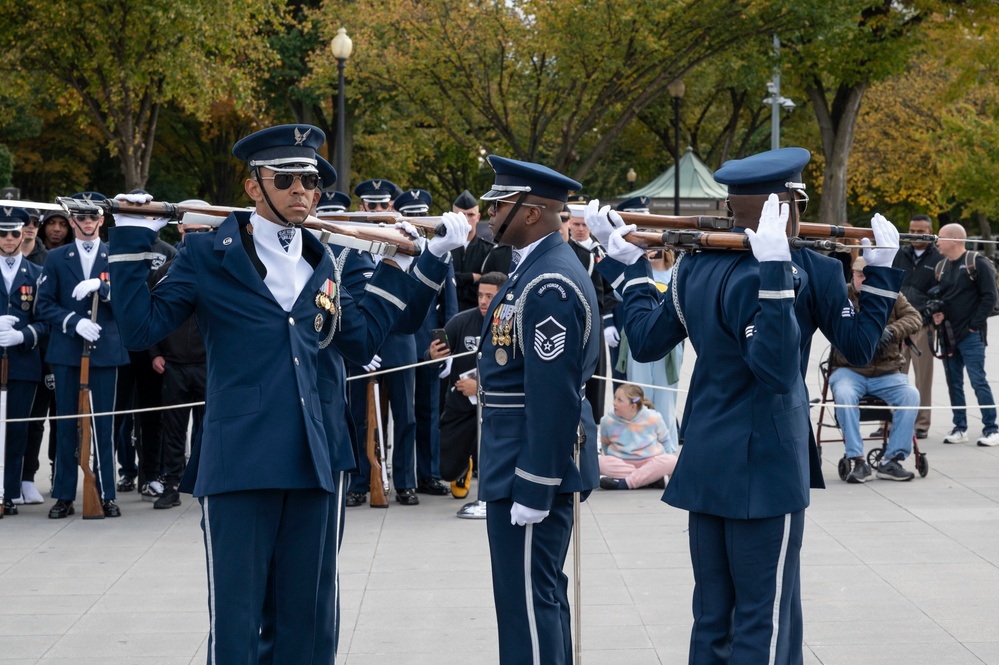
775 101
676 90
342 47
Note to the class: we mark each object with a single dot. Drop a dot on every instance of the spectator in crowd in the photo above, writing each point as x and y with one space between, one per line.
469 260
56 230
967 296
918 260
665 371
180 359
638 451
882 377
459 427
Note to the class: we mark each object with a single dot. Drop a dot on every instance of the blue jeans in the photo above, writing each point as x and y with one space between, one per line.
849 386
970 354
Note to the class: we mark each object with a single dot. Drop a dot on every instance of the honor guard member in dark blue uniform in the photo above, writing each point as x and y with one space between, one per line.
416 203
539 347
333 201
817 304
72 273
20 334
266 300
398 350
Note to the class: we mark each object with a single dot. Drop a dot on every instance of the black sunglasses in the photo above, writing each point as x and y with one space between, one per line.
12 234
378 205
82 217
34 221
285 180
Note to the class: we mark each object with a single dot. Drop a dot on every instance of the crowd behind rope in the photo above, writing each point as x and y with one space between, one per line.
150 448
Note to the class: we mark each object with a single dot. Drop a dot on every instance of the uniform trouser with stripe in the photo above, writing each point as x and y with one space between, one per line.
328 598
255 538
747 604
20 395
102 394
427 411
529 586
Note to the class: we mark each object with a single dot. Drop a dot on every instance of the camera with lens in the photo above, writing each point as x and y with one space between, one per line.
934 303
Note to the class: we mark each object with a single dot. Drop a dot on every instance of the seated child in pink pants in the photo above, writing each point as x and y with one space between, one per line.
634 439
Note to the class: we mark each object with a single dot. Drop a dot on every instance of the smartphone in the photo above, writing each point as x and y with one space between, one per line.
440 335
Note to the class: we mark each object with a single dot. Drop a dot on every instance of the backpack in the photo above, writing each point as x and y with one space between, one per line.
970 259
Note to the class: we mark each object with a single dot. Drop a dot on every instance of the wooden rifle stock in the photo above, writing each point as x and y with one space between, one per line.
694 240
92 508
378 498
175 211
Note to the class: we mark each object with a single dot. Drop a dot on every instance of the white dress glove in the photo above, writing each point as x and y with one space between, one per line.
458 229
522 515
620 249
446 372
7 321
612 336
88 330
409 230
601 222
123 219
86 287
769 241
375 363
886 236
11 338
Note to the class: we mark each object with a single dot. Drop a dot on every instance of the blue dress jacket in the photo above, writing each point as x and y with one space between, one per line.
266 423
532 380
56 305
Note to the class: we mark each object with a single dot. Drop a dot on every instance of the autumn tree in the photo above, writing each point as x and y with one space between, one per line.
120 61
556 82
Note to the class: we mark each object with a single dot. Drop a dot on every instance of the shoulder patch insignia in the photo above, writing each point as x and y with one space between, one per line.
554 286
471 342
549 339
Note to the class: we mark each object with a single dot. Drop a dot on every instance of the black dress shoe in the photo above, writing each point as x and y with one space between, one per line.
432 486
355 499
9 508
407 497
922 433
62 508
111 509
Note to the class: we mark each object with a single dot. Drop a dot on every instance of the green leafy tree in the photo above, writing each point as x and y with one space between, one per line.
555 82
117 62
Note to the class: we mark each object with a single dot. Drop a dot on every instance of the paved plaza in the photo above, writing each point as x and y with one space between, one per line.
891 573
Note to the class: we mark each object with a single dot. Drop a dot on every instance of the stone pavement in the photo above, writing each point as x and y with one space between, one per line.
891 573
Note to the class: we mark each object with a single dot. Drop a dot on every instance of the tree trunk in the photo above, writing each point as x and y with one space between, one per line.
985 230
837 127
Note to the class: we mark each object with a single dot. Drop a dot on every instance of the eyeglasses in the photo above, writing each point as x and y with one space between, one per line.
83 217
12 234
285 180
33 222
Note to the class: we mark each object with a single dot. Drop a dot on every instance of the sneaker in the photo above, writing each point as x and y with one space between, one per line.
879 432
126 484
990 439
30 493
956 436
892 470
169 499
151 490
922 433
610 484
861 472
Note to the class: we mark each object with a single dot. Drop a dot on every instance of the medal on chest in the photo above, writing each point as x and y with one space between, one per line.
326 298
27 296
